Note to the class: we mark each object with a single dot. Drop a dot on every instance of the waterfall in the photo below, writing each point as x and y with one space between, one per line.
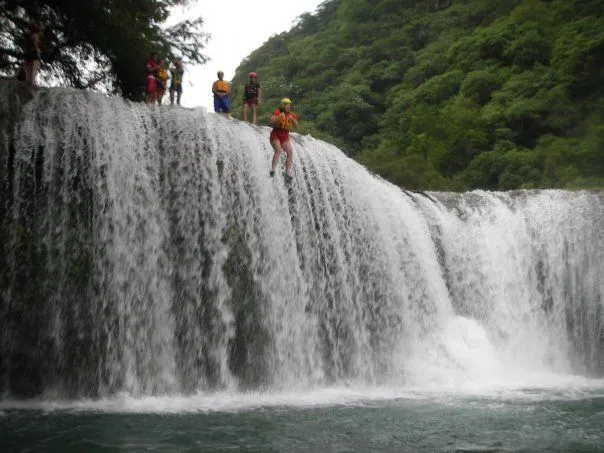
146 250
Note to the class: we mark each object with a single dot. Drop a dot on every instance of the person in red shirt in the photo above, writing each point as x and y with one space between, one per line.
151 68
283 121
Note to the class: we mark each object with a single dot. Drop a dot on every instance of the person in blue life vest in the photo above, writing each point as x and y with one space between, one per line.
176 81
251 97
283 121
221 90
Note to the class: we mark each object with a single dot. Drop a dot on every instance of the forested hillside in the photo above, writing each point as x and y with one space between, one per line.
448 94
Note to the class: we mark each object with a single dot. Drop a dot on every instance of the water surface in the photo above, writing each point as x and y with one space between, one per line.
524 420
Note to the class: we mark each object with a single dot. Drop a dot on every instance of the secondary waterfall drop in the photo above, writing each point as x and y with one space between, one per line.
146 250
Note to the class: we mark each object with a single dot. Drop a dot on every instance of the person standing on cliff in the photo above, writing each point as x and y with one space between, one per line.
221 90
150 80
161 80
176 81
33 55
251 97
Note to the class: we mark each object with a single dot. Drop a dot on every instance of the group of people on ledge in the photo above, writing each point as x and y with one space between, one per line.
156 79
283 118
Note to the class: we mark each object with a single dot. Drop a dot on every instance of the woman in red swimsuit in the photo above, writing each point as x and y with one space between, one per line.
283 121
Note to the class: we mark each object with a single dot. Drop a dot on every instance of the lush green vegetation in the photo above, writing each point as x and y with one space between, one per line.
448 94
98 44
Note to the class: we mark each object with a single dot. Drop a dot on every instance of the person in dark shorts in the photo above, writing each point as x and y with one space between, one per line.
176 81
251 97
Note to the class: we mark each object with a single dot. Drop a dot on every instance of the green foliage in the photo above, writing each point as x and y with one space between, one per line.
498 170
412 172
349 113
100 44
425 69
449 94
439 88
578 55
479 86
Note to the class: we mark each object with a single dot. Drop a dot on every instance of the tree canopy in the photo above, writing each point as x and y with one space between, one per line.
98 43
448 94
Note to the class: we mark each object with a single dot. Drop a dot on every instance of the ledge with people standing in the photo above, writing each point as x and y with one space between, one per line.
157 76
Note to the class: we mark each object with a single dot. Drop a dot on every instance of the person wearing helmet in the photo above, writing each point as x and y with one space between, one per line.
221 90
251 97
283 121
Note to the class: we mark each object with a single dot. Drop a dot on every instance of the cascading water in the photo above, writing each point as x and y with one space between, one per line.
146 250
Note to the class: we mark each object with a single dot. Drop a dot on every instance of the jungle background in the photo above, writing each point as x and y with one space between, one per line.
448 94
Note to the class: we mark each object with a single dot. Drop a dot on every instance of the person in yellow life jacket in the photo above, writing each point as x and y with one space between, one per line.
221 90
162 80
283 121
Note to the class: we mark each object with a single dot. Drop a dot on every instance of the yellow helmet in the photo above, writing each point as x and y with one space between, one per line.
283 102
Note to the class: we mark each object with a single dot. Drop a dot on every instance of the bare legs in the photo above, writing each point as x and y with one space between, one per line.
254 113
178 93
278 147
151 97
244 112
31 72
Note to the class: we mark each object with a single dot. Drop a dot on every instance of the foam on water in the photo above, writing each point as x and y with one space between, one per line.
535 389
